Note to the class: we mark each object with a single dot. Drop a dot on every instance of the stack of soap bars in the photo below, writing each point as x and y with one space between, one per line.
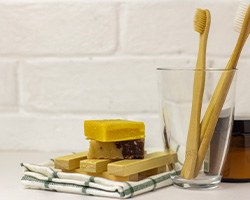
116 152
115 139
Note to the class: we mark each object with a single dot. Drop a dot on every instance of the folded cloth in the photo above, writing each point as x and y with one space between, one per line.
45 177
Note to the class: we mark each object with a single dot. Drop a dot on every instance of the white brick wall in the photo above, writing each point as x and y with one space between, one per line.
65 61
8 86
117 85
68 28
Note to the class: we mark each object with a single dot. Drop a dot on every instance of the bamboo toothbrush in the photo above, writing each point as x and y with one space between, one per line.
201 25
242 25
238 26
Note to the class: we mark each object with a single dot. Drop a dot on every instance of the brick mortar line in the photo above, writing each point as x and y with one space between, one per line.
79 115
116 53
116 57
118 29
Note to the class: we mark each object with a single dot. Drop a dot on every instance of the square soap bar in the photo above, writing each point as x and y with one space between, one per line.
113 130
130 149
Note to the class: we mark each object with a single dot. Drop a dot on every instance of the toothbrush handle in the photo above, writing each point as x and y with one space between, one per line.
214 113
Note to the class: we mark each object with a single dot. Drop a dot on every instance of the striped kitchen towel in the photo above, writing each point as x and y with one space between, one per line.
47 178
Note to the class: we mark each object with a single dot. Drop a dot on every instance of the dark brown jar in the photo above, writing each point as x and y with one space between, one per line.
237 165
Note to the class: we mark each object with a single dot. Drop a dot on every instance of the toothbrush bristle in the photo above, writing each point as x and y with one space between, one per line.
240 15
200 20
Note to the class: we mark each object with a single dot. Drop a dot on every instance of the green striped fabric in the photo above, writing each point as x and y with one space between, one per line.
47 178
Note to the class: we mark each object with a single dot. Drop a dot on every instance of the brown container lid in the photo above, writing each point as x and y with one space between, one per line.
241 127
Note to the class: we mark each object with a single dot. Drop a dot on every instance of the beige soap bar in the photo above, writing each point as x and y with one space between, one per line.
131 149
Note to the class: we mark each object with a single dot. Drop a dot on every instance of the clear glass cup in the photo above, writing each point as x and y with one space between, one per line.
176 94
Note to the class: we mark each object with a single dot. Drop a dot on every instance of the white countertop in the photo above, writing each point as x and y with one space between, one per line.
11 187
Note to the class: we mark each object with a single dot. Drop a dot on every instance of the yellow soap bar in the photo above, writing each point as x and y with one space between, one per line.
113 130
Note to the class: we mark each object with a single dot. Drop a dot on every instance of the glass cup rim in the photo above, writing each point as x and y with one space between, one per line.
194 69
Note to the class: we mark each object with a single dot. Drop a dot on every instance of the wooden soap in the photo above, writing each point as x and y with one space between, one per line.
70 162
134 177
126 170
94 165
151 172
151 161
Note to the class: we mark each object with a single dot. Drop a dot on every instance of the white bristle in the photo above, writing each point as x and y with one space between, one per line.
240 16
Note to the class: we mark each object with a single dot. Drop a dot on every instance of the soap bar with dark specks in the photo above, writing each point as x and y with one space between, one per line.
130 149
